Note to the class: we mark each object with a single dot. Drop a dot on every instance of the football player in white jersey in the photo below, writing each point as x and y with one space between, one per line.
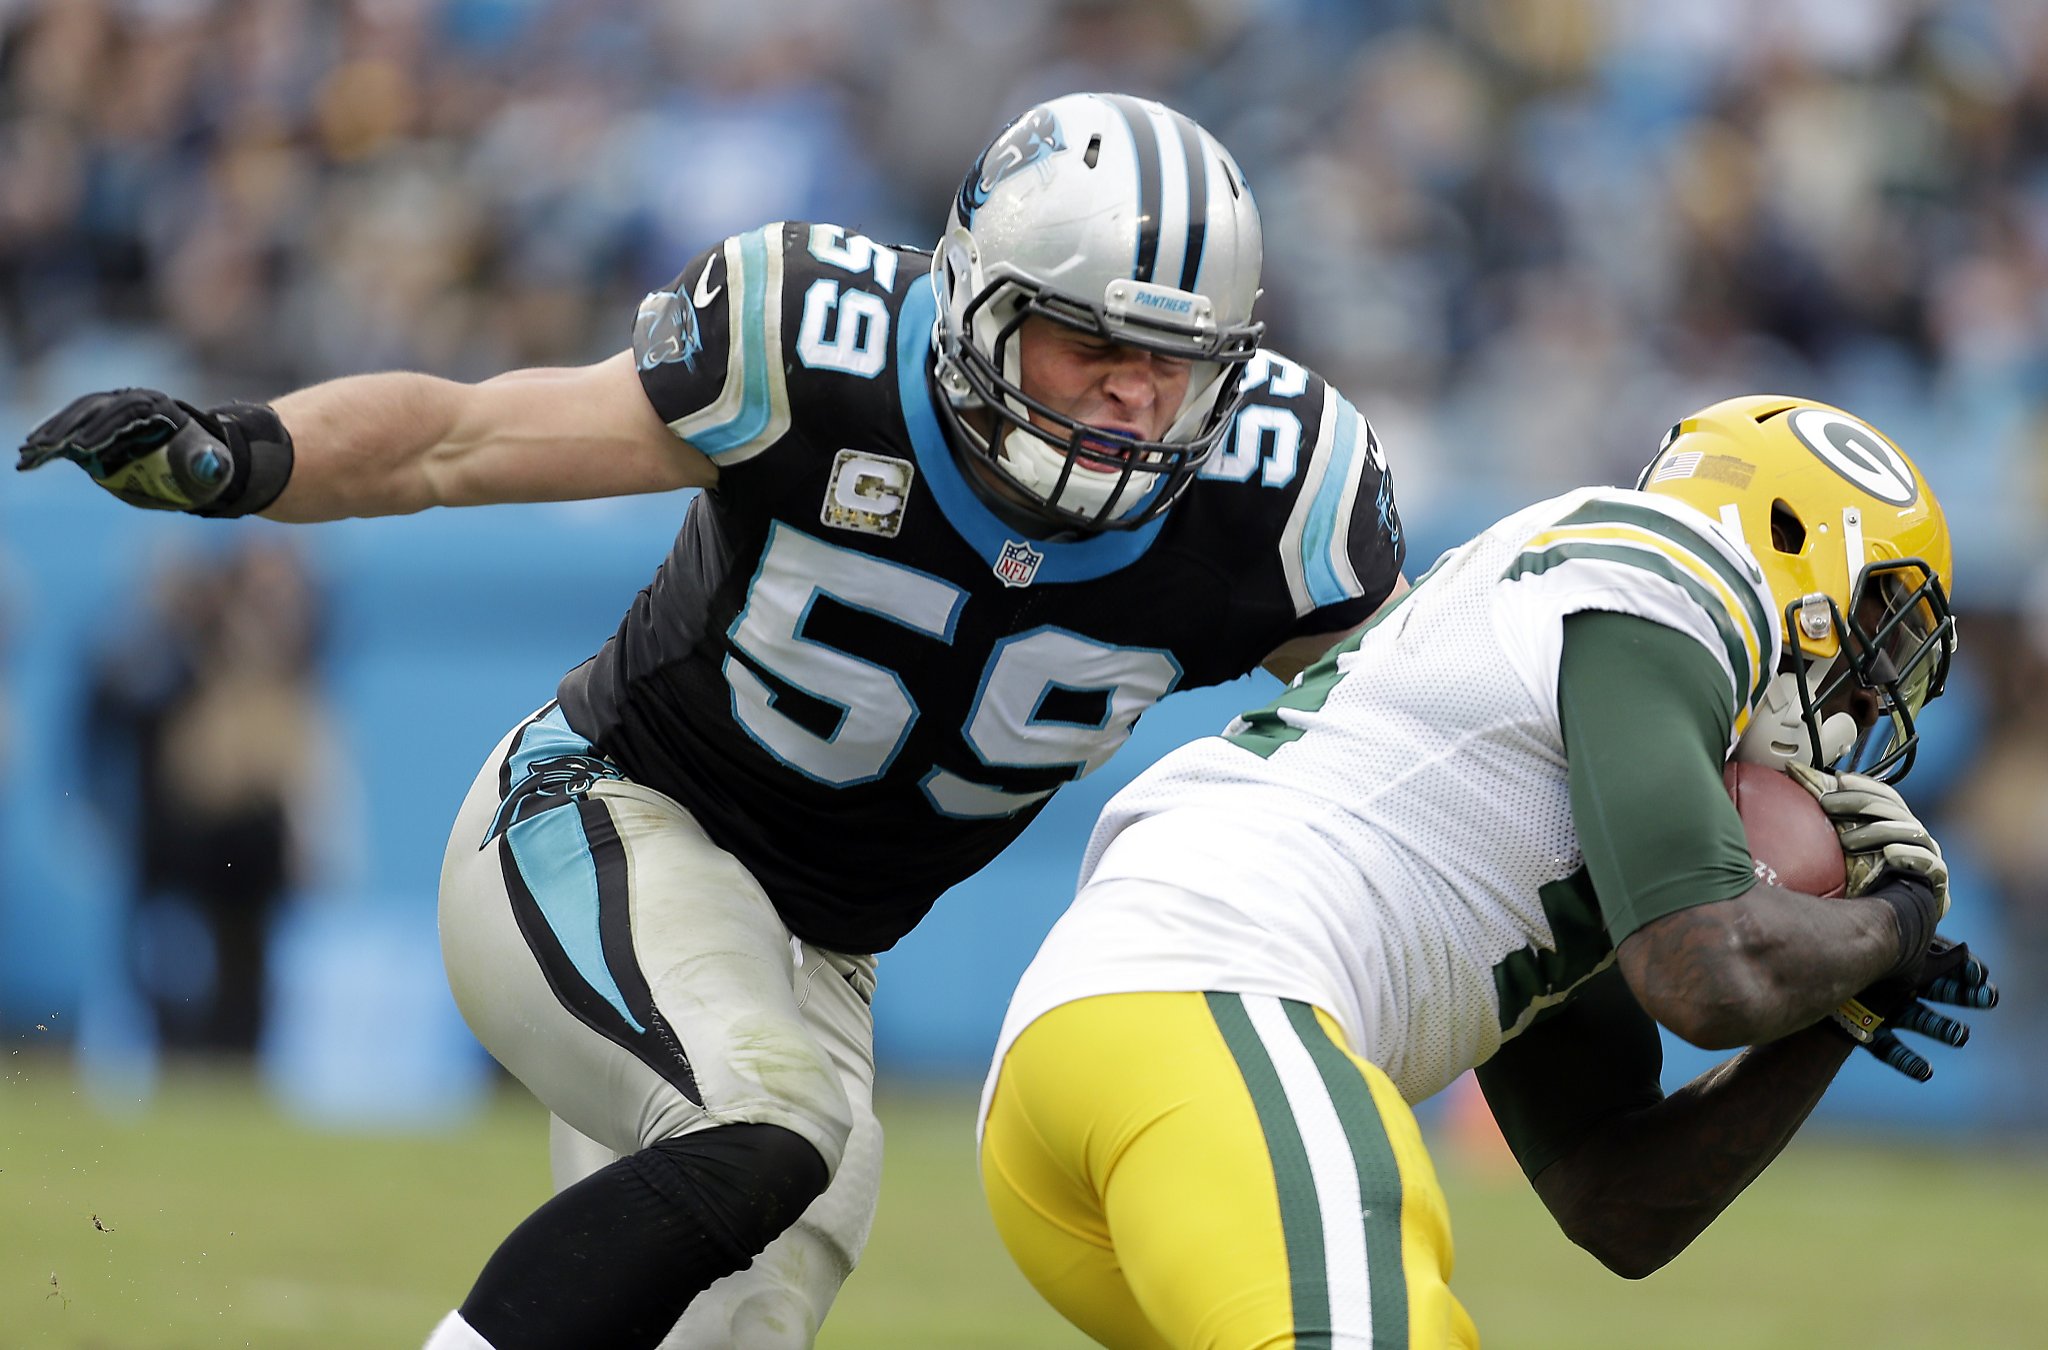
969 512
1491 831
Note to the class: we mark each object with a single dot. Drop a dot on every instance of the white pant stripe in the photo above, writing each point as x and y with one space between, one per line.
1332 1165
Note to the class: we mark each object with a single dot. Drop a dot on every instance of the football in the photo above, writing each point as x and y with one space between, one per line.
1791 839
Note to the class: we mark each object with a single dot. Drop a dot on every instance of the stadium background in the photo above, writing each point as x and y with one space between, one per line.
1522 234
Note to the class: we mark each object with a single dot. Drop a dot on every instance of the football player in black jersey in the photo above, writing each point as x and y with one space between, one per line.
966 515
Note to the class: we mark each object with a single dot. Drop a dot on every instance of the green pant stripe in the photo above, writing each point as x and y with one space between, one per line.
1301 1221
1379 1175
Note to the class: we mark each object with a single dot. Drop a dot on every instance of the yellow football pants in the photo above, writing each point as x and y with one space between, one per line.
1217 1172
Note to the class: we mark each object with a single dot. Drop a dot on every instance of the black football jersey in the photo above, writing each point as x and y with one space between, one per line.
852 672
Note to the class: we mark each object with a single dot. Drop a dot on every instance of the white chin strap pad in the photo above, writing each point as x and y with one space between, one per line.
1036 465
1777 734
1837 736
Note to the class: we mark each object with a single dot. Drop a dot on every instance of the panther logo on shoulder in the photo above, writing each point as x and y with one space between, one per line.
1033 137
666 330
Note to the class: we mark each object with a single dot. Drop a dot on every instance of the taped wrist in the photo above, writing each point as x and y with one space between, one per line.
1857 1020
259 451
1918 908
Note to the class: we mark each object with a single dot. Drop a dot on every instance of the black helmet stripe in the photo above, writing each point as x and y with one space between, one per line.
1198 198
1145 139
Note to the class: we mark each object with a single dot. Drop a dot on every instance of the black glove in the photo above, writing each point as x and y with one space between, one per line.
154 452
1946 973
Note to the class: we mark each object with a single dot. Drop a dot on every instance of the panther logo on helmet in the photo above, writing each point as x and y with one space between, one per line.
1029 139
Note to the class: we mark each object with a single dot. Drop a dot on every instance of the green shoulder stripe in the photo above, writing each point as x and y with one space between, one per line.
1699 547
1535 564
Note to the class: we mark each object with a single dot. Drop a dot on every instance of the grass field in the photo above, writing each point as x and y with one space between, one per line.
210 1220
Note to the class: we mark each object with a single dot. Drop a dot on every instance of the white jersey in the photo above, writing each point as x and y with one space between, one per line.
1392 840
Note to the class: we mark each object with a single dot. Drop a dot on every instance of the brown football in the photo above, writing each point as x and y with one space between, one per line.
1790 838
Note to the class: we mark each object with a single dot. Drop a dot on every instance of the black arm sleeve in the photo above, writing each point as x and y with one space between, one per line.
1597 1056
1646 713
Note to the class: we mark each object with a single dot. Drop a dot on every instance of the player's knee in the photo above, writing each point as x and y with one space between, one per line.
832 1126
743 1183
761 1318
803 1094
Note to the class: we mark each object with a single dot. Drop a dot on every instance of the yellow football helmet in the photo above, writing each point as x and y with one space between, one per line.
1856 553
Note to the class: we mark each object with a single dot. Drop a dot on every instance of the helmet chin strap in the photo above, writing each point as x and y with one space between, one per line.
1777 733
1838 732
1036 464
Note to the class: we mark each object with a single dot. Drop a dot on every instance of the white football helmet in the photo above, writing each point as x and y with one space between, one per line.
1121 218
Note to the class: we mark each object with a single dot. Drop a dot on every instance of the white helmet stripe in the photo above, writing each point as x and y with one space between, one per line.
1175 215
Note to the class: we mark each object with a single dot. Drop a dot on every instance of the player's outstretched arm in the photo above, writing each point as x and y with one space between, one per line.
1722 974
393 443
383 444
1634 1177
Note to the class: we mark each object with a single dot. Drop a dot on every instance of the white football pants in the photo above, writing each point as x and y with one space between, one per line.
638 981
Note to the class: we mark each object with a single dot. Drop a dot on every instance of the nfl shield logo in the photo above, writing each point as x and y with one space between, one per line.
1019 563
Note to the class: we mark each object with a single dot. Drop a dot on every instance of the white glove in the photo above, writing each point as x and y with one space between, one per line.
1879 832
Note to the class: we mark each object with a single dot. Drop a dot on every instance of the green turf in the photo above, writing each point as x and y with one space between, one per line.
208 1219
1840 1244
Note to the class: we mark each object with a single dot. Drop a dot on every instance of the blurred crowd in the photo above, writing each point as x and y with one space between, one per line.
1524 228
1522 234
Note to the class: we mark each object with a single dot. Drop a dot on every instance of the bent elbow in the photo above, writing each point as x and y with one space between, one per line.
1717 1008
1633 1265
1705 977
1605 1204
1629 1255
1720 1023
